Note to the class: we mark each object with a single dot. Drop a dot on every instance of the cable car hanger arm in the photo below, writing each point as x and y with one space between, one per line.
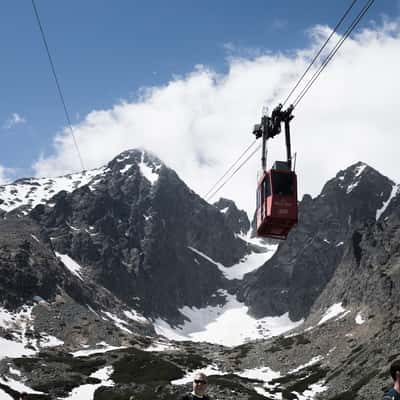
271 126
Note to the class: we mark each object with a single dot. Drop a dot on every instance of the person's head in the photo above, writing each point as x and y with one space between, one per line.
395 371
199 384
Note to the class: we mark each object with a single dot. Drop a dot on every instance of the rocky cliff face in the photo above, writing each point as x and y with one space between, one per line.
236 219
305 263
368 272
134 228
81 269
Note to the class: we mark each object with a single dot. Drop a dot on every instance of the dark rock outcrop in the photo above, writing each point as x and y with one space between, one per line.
236 219
135 237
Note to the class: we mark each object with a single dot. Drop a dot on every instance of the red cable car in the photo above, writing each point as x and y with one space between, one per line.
277 202
277 189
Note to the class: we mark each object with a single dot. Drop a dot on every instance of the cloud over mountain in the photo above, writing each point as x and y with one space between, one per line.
201 122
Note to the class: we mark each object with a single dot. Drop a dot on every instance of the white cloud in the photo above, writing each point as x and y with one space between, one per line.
15 119
5 174
200 123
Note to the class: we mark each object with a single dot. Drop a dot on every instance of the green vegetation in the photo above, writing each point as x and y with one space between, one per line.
143 367
59 384
139 392
231 385
189 361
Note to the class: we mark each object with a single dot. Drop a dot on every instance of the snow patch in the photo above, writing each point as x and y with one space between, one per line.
70 264
228 325
332 312
351 187
248 264
341 316
19 322
11 349
161 345
357 172
35 238
33 191
148 172
87 391
264 374
5 396
18 386
395 190
14 371
136 316
49 340
118 322
313 361
126 157
72 227
257 241
359 319
311 392
104 348
127 166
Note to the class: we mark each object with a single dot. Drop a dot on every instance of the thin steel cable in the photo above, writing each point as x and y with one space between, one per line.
234 172
57 83
324 64
355 22
320 50
230 168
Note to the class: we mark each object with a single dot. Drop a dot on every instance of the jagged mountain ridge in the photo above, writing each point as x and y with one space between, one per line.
236 219
26 193
304 264
70 223
118 226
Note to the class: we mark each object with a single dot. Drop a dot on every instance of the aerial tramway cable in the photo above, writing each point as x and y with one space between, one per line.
234 172
57 83
230 168
326 61
308 85
320 51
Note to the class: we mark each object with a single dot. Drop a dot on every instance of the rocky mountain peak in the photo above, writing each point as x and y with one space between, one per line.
235 218
148 163
304 264
350 188
137 228
26 193
355 179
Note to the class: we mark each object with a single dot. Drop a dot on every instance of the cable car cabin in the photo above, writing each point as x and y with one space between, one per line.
277 202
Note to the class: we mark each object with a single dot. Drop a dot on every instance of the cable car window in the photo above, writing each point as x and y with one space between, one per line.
262 197
282 183
267 187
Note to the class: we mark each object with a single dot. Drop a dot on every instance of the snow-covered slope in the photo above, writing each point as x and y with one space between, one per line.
30 192
33 191
227 325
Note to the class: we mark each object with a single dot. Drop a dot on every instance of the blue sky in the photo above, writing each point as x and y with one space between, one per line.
106 52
